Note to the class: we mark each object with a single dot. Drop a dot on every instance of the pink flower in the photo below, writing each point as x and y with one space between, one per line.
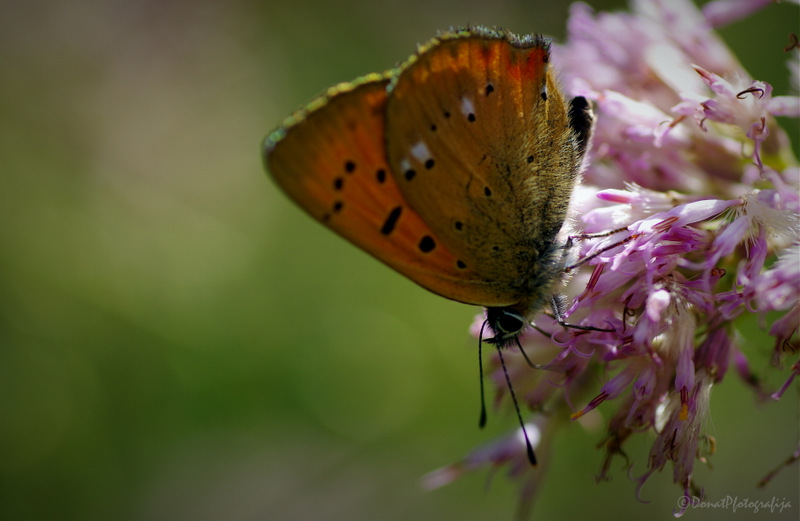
723 12
691 169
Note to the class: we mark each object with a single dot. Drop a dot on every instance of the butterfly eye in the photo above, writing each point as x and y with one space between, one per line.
510 323
507 323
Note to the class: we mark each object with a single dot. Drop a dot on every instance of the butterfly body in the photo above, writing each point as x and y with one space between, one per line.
456 169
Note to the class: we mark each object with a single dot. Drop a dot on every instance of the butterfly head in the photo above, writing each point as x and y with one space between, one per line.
506 323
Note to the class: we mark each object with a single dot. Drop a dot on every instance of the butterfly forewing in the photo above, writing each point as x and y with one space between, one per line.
330 159
479 139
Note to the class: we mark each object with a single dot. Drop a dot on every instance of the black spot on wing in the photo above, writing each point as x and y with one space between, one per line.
349 166
391 220
410 174
380 175
427 244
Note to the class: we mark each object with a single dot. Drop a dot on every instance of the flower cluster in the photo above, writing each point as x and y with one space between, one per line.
690 166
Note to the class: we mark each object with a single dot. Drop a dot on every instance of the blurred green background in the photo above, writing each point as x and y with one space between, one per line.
178 341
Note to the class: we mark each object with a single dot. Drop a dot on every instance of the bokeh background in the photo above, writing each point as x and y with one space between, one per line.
179 342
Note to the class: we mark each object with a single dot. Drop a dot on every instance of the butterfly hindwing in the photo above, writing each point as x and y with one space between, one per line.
330 158
478 136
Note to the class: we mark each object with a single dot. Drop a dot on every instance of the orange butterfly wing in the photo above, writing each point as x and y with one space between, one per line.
478 135
330 158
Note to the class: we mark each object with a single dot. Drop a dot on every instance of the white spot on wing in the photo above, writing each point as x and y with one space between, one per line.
420 151
404 165
467 107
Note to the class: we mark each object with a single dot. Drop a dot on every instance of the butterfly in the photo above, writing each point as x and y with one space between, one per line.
455 169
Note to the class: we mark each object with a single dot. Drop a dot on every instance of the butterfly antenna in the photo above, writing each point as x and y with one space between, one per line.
482 421
528 446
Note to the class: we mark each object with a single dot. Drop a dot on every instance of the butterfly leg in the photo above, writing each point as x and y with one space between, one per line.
557 303
583 236
584 260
